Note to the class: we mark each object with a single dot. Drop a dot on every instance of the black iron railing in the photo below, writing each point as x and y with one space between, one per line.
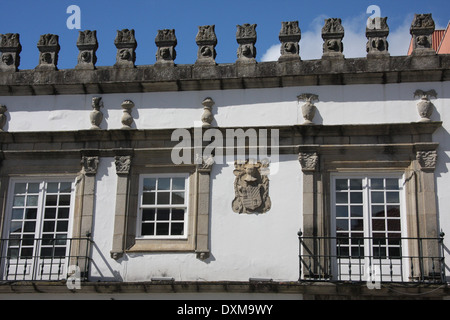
31 259
382 259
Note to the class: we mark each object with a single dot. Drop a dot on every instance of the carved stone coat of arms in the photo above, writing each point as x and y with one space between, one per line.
251 188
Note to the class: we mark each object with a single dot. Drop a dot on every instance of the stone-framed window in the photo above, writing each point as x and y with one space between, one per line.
135 207
371 151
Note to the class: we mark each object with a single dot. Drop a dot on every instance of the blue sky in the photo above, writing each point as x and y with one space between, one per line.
31 18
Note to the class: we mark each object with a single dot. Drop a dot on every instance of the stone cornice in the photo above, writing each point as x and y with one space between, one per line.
159 78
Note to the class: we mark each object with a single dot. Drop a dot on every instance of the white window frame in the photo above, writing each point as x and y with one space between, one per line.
141 206
366 176
39 227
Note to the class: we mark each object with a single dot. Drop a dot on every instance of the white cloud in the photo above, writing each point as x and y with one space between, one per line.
354 39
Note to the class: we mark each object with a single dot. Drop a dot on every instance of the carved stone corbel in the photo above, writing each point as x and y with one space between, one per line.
309 161
427 160
10 48
123 164
90 165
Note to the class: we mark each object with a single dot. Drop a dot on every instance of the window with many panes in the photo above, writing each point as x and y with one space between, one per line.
37 229
368 216
163 206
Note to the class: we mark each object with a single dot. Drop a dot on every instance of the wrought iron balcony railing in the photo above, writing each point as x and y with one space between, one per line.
49 259
382 259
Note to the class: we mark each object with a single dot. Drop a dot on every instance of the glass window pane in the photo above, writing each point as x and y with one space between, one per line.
31 213
52 187
378 225
62 226
376 184
356 211
178 183
19 201
148 198
341 211
16 226
164 184
17 214
393 211
341 184
178 198
355 184
356 197
341 197
63 213
177 214
50 200
341 225
32 200
394 225
49 226
147 229
163 214
392 197
33 188
64 200
20 188
65 187
46 252
162 229
149 184
392 184
50 213
377 197
357 224
163 198
26 253
377 211
177 229
148 214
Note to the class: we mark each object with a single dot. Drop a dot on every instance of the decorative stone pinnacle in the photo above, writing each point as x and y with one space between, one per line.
246 38
207 116
127 119
96 115
88 45
126 44
289 36
425 106
332 34
206 40
421 31
166 42
377 31
308 109
48 46
10 48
